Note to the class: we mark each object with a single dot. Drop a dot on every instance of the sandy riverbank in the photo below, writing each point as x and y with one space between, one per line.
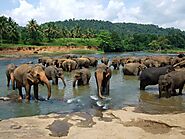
112 124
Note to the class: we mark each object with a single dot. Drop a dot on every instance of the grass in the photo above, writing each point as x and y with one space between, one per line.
74 42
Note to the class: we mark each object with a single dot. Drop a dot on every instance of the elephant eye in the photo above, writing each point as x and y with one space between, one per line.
38 75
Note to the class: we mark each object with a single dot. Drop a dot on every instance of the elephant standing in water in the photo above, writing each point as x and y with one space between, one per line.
150 76
9 75
82 77
172 81
53 73
103 74
27 75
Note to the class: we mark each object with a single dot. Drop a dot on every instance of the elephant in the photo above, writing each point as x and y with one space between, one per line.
43 60
69 65
82 77
115 63
53 73
133 68
150 63
27 75
162 60
172 81
103 74
164 86
9 75
82 62
150 76
93 61
105 60
59 62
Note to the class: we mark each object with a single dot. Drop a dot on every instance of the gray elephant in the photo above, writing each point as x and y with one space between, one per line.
172 81
9 75
133 68
82 77
103 74
150 76
69 65
164 86
27 75
53 73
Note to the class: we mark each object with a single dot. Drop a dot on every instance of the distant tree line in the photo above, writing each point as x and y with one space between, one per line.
112 37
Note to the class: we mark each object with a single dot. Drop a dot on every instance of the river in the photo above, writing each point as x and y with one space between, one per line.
124 91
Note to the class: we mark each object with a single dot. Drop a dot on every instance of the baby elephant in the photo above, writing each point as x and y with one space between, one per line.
172 81
9 75
53 73
82 77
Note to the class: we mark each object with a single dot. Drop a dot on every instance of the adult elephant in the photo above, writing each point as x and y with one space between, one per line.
103 74
82 77
172 81
27 75
133 68
9 75
150 76
82 62
116 63
53 73
69 65
43 60
93 60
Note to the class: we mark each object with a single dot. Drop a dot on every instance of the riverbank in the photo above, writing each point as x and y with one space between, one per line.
125 123
18 52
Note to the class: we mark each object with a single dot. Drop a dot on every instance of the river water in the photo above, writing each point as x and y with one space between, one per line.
124 91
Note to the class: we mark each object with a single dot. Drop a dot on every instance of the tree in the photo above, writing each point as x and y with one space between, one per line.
105 40
34 33
13 35
51 32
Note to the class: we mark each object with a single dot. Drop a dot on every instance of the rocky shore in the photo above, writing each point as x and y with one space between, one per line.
111 124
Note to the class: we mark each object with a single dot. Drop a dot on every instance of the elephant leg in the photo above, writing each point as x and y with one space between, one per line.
27 89
8 81
180 90
54 81
18 85
142 85
35 87
108 88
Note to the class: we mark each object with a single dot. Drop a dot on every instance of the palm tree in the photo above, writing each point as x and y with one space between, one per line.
33 31
51 32
12 28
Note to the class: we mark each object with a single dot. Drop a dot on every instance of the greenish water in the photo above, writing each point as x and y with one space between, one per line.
124 91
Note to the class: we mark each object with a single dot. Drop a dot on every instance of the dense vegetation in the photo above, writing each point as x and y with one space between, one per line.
107 36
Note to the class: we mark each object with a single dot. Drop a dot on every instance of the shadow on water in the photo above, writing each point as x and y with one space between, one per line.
124 91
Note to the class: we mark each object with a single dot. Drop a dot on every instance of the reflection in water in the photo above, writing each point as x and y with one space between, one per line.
124 91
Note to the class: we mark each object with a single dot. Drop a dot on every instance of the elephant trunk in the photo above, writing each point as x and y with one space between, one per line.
13 80
74 82
44 79
99 85
62 78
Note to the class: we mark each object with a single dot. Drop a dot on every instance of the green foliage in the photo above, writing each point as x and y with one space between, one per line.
107 36
74 42
9 32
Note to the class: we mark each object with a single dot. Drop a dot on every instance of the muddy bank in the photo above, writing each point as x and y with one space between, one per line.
123 123
19 52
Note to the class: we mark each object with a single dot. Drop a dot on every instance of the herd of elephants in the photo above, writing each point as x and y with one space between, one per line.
166 71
